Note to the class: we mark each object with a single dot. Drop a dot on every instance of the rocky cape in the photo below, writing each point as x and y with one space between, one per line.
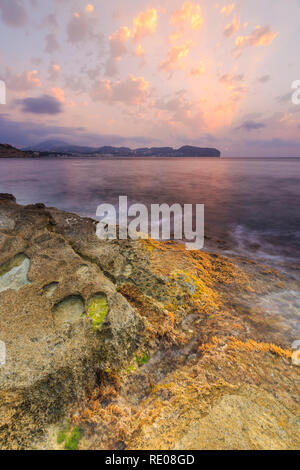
64 148
7 151
137 344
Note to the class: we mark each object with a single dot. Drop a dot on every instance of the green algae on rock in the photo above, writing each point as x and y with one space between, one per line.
97 309
53 356
177 343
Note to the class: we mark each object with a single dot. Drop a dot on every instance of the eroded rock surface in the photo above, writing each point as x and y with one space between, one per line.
140 345
53 351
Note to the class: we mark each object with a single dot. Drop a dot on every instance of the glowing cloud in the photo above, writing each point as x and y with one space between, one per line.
189 13
232 27
227 9
139 52
196 71
175 55
24 81
54 71
117 49
261 36
145 24
59 94
131 91
231 79
118 42
81 26
89 8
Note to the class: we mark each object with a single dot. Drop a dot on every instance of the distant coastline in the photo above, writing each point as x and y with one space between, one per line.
61 149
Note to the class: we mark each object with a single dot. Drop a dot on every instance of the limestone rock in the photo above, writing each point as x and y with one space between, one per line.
53 350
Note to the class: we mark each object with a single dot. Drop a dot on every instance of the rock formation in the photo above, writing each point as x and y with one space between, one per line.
137 345
7 151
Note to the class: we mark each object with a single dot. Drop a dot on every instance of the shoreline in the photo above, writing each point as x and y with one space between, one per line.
137 329
119 157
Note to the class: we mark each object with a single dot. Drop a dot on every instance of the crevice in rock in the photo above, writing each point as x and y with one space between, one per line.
49 289
95 262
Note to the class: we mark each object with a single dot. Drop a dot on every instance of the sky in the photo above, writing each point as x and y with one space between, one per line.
152 73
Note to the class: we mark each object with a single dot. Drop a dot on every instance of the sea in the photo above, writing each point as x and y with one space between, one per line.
252 205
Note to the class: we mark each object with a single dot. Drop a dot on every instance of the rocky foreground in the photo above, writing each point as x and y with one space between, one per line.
138 345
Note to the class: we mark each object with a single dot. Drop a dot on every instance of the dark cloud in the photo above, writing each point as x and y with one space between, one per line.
13 13
285 98
282 144
231 79
52 45
264 79
26 134
81 27
251 126
45 104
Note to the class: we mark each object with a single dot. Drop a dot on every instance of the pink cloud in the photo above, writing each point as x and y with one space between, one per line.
261 36
232 27
175 55
145 24
131 91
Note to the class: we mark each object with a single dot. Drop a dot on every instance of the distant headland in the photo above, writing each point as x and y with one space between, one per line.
59 149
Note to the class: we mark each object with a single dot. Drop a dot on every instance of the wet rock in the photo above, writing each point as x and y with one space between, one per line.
49 299
241 422
7 197
145 345
13 274
68 310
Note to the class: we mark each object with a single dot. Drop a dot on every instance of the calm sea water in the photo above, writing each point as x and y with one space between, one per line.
251 205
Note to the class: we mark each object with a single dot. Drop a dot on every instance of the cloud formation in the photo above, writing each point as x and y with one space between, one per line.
81 26
54 72
175 55
26 133
45 104
230 79
59 94
22 82
227 9
232 27
13 13
191 14
117 48
261 36
145 24
251 126
264 78
131 91
190 43
52 45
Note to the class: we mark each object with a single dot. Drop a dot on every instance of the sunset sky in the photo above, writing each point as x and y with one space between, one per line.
152 73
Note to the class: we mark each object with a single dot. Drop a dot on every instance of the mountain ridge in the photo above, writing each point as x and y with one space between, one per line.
57 146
